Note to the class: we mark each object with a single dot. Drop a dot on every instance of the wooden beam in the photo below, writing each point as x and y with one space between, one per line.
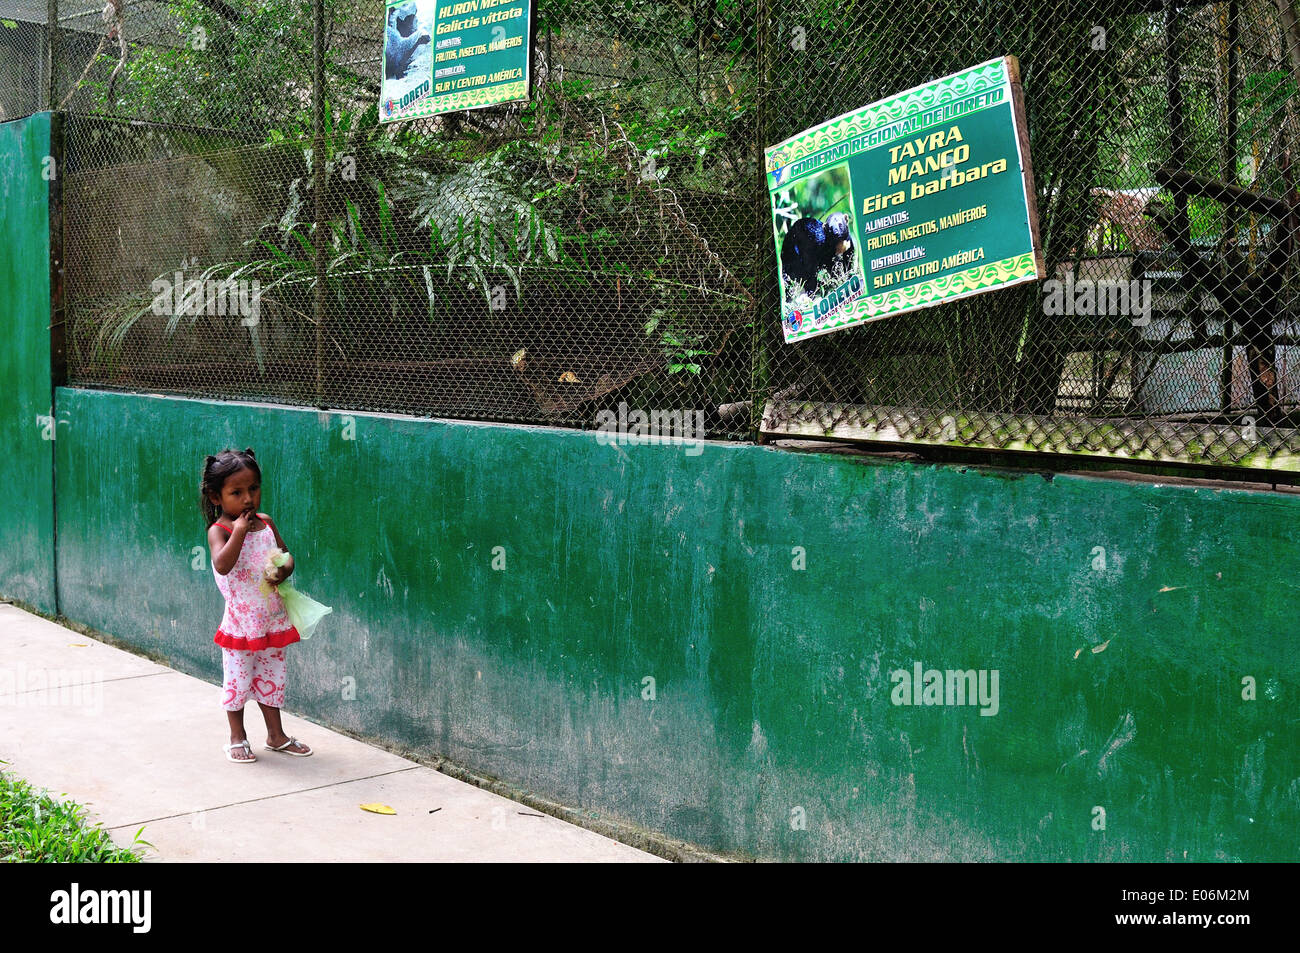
1027 168
1189 441
1232 195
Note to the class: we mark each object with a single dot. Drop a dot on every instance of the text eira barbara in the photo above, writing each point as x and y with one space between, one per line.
940 152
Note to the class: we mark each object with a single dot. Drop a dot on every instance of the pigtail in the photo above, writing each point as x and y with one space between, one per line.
206 506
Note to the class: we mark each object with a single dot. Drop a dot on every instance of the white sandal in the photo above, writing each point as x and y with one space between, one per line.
248 749
284 748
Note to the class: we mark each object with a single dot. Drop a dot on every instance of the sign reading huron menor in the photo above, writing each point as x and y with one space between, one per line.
920 198
446 55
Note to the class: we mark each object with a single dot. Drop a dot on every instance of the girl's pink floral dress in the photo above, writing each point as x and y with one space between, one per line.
254 629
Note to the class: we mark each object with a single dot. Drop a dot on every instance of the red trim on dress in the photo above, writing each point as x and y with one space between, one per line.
272 640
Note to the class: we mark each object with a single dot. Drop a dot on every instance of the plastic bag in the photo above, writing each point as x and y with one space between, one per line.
304 612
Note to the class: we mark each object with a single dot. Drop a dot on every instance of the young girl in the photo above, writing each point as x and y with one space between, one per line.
254 629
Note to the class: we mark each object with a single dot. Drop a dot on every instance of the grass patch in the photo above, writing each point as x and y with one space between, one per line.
36 828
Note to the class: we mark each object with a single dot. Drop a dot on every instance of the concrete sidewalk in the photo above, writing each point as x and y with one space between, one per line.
140 744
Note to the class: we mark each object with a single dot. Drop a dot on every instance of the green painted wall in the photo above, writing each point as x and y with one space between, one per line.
27 524
1120 686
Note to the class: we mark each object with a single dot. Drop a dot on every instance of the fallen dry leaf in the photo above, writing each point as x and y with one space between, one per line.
377 808
1100 648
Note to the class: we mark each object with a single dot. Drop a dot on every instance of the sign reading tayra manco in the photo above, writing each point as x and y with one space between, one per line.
446 55
915 200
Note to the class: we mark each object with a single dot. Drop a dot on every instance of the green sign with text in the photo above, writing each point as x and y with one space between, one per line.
446 55
920 198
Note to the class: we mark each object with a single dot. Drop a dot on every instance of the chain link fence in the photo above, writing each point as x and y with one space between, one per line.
607 246
592 250
1163 146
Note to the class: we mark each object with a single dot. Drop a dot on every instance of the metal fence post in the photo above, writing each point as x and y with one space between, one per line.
762 225
318 184
49 91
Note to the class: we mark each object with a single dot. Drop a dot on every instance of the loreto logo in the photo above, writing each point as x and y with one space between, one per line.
953 687
241 298
77 906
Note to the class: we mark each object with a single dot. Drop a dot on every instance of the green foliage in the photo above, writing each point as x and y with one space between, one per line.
681 348
1264 105
36 828
720 27
245 74
481 218
428 217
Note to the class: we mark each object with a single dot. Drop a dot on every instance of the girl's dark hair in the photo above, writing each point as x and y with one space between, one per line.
215 472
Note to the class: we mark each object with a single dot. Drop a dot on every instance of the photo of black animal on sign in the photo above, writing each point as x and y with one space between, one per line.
811 246
817 246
